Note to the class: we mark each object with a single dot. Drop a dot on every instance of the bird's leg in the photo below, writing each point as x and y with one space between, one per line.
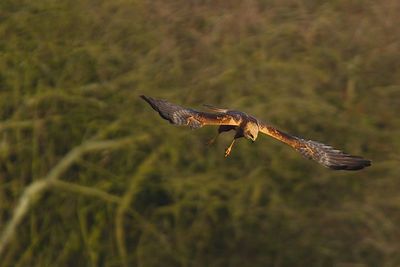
228 150
212 140
221 129
239 134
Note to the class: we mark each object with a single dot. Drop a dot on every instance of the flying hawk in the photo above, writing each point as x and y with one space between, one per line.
248 126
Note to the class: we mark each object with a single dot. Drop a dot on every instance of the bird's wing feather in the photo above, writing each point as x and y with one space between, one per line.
323 154
184 116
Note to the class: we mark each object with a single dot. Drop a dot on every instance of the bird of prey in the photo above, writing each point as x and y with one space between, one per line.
248 127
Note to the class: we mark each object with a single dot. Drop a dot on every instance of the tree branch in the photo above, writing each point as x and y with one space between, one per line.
85 190
35 189
16 124
126 203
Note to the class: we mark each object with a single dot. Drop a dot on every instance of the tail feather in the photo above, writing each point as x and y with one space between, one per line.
213 108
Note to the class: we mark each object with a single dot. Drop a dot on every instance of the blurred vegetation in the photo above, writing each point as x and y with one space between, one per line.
70 75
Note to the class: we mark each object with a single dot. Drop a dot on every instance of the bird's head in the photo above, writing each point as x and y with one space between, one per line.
251 131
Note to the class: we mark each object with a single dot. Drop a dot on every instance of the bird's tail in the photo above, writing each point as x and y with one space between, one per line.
213 108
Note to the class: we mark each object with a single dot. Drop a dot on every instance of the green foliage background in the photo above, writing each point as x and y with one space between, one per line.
71 72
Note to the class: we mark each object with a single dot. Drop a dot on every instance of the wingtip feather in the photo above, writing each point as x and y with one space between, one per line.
330 157
146 98
150 101
351 166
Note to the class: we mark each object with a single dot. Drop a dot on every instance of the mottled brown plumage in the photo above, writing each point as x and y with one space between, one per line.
247 126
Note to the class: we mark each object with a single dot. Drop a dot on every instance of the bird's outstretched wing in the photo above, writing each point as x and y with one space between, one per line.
194 119
323 154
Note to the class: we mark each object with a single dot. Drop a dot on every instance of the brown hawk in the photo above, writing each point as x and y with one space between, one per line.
248 126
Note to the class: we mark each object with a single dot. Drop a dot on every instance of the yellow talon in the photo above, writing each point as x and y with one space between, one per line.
228 150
